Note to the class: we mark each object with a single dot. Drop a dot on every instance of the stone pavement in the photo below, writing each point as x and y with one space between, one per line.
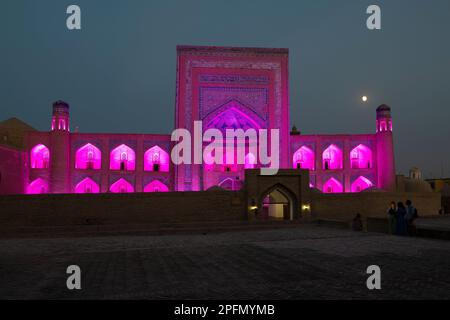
305 262
438 223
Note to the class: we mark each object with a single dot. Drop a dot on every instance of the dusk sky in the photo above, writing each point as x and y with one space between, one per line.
118 72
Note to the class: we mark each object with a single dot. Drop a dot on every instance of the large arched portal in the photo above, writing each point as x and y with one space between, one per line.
232 117
278 203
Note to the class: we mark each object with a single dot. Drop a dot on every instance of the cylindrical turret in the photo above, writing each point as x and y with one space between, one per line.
60 116
385 149
60 149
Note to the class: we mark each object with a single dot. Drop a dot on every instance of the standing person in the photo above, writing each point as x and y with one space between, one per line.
410 217
357 224
391 213
400 226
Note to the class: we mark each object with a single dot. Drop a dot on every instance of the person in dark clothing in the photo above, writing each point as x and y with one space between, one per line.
400 226
410 218
357 224
391 213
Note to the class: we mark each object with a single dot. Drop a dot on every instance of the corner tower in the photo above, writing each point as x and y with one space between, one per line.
385 149
60 148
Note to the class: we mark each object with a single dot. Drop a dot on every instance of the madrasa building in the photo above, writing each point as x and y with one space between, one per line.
225 88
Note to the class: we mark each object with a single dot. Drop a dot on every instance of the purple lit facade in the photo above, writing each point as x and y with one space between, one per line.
225 88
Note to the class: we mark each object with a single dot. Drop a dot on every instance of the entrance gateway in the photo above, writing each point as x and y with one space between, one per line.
285 195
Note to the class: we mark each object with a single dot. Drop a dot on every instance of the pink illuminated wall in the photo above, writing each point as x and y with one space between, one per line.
332 186
156 159
208 162
39 157
250 161
230 162
361 184
361 157
122 158
38 186
304 159
332 158
88 157
156 186
121 186
227 184
87 186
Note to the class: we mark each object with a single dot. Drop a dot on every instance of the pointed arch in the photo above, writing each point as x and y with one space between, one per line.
332 186
239 109
156 186
156 159
88 157
361 157
38 186
361 184
121 186
227 184
279 198
40 157
87 185
332 158
122 158
304 158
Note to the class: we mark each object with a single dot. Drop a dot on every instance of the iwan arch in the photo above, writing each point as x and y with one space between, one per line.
225 88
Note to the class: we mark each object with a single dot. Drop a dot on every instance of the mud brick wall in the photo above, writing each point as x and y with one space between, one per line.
136 208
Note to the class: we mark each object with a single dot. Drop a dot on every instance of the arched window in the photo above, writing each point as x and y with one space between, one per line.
250 161
88 157
361 157
227 184
156 186
332 186
156 159
40 157
38 186
304 158
62 124
332 158
121 186
361 184
122 158
87 185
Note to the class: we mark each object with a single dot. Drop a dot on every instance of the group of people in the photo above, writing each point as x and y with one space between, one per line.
401 218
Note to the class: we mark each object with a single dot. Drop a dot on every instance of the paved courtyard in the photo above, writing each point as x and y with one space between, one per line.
306 262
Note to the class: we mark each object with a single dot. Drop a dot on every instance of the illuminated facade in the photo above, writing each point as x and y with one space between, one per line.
225 88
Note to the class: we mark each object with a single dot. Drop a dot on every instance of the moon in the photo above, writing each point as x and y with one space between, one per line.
364 98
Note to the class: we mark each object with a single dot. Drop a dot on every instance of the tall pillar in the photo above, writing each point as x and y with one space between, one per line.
385 149
60 149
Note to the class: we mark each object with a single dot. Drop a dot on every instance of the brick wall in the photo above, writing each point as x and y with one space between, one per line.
371 204
136 208
446 204
12 170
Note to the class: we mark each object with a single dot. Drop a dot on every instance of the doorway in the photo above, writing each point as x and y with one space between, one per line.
277 204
